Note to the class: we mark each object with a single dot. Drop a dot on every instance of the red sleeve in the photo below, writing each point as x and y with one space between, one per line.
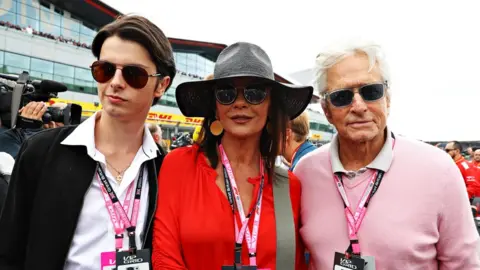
167 250
472 181
469 174
462 170
295 194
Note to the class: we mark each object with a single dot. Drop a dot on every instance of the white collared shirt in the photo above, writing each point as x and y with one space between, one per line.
95 233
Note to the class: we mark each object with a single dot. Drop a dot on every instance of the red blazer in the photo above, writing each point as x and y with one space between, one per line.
194 227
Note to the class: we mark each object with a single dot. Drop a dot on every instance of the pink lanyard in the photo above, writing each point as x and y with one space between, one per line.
114 207
354 220
251 238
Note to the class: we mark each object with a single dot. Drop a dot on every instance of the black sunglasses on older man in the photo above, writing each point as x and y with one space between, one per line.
344 97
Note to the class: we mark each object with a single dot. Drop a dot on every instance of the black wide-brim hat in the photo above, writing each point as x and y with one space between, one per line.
196 99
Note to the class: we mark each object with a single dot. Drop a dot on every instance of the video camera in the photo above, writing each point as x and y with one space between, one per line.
18 91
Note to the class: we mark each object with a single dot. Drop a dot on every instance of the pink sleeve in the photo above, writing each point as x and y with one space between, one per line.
458 246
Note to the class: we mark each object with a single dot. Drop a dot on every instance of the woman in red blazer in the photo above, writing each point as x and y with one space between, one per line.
216 205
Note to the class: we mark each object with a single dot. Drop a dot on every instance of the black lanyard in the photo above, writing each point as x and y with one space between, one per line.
228 189
113 196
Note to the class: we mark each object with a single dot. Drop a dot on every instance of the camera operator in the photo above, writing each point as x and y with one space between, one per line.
11 140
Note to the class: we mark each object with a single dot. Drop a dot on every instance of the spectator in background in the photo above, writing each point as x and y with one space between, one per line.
416 211
156 132
476 159
29 30
470 152
469 172
297 144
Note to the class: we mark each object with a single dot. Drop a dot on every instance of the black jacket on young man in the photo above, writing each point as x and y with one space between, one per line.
45 197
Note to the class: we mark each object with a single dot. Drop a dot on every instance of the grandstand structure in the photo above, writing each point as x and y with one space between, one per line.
51 39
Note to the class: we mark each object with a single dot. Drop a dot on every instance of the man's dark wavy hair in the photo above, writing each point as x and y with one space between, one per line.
142 31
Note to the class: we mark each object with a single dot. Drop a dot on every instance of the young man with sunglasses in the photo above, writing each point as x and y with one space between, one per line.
83 197
370 198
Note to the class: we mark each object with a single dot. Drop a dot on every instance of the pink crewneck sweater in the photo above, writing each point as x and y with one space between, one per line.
419 219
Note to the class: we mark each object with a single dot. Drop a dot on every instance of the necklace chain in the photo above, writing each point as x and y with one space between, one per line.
119 177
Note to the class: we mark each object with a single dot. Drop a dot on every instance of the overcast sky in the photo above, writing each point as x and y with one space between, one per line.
433 47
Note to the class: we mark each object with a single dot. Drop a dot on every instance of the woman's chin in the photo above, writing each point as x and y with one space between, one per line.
243 133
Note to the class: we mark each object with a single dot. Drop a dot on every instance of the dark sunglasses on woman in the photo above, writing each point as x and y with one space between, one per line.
227 94
344 97
135 76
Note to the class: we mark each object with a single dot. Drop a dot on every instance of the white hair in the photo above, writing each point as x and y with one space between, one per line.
337 53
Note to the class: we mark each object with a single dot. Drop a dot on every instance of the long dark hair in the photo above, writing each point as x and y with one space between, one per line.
272 141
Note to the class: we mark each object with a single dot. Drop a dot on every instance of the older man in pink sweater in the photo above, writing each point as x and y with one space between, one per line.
373 200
